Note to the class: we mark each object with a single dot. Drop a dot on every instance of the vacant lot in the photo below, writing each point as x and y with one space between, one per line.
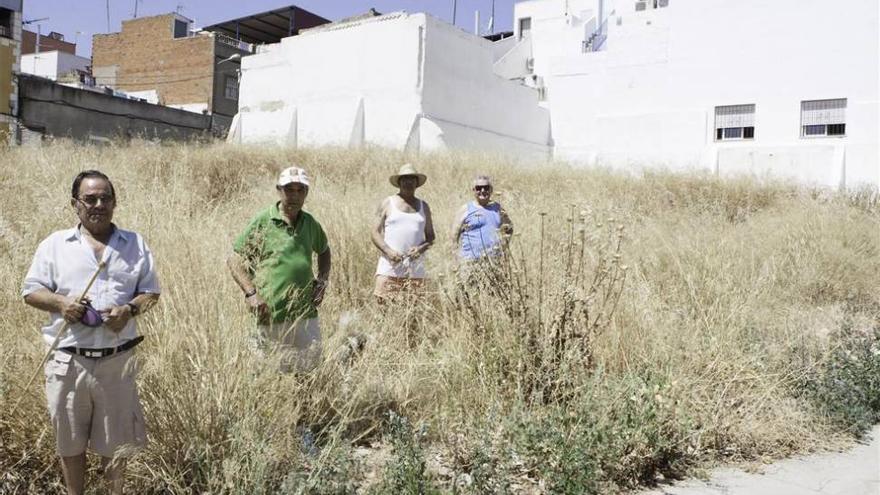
653 325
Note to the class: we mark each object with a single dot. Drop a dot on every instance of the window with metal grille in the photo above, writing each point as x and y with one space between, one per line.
230 87
823 118
734 122
6 17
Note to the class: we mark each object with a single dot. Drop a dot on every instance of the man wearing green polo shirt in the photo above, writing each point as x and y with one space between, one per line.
272 263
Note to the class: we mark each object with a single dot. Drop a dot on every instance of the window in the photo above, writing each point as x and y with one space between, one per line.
6 17
230 87
823 118
525 27
643 5
734 122
181 28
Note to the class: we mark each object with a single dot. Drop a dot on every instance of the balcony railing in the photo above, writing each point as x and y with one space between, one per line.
596 40
228 40
5 31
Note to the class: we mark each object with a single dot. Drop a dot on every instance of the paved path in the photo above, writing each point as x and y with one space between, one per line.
854 472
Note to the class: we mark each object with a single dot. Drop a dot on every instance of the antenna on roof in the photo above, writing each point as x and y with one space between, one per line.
136 2
39 35
492 19
179 8
454 5
108 16
31 21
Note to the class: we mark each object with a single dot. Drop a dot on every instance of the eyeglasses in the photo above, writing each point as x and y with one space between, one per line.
482 188
90 200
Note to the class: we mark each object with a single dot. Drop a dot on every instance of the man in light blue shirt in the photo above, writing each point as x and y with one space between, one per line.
90 378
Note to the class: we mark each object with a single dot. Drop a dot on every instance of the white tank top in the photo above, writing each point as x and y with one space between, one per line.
402 232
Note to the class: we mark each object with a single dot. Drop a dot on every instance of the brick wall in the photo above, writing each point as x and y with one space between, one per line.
47 44
10 63
149 57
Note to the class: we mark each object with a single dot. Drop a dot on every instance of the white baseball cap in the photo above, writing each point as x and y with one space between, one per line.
293 174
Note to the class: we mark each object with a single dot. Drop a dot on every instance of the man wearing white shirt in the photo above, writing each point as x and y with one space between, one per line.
90 378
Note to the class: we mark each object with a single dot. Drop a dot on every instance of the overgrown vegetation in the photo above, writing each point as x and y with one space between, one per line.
641 327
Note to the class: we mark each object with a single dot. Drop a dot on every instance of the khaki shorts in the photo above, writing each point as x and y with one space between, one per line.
299 343
389 288
94 404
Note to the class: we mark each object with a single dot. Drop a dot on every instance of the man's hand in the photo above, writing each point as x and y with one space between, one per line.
71 310
414 252
320 287
259 307
116 317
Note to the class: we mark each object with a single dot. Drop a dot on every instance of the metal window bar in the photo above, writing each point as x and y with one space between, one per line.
735 116
230 91
228 40
819 112
597 39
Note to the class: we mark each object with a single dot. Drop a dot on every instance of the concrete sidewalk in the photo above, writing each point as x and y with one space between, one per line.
854 472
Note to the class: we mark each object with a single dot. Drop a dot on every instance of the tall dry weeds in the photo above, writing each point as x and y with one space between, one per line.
582 375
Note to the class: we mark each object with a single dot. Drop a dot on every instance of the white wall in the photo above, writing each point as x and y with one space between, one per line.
52 64
462 91
399 80
308 89
649 97
646 99
557 28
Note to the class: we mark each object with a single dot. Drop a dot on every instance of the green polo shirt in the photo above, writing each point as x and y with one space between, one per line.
279 257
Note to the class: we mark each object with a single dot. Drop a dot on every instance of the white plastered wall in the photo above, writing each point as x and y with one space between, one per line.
309 89
470 106
52 64
648 98
406 81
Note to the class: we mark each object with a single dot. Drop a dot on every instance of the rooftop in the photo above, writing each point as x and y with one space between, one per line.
269 26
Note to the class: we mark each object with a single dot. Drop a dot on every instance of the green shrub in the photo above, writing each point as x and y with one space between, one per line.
846 384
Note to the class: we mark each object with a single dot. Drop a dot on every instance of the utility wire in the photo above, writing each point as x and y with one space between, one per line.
132 82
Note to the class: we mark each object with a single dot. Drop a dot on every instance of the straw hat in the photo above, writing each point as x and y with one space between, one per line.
407 169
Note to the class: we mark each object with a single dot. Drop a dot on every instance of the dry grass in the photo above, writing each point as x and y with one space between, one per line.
587 376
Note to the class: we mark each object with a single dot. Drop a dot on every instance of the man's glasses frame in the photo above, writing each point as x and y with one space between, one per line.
483 188
92 201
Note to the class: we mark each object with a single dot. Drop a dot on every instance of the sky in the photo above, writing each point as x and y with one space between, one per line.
78 20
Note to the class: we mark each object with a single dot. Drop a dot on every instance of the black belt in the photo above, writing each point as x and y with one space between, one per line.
102 353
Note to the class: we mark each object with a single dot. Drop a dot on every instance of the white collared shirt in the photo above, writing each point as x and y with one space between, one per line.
64 263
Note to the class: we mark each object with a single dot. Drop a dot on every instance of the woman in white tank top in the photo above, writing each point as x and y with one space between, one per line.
403 233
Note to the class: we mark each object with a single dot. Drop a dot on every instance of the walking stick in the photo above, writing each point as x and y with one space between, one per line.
58 335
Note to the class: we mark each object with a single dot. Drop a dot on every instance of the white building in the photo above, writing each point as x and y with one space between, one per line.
399 80
785 88
54 64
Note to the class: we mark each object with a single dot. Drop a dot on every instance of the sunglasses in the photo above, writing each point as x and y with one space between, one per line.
482 188
93 200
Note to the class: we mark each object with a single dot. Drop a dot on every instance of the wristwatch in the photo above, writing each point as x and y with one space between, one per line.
250 293
135 309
